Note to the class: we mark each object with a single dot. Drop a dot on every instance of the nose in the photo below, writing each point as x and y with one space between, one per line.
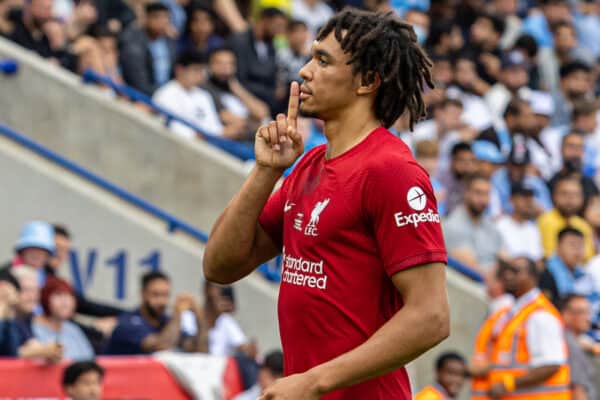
304 72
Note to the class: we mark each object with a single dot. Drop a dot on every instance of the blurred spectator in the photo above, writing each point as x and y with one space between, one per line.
255 53
226 338
567 197
485 36
54 325
565 50
451 373
516 173
82 380
427 155
148 328
572 154
527 45
9 298
587 22
488 156
114 15
420 22
519 233
575 85
462 165
564 272
591 215
535 364
468 87
512 82
471 236
539 21
200 31
585 120
293 57
147 52
270 370
34 247
79 18
183 97
575 311
236 105
507 10
445 39
109 53
314 13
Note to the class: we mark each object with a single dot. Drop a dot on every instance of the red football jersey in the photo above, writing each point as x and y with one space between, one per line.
345 226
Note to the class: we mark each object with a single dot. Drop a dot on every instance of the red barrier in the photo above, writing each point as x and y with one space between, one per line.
140 378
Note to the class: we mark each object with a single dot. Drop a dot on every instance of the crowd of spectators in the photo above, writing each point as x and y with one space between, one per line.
41 313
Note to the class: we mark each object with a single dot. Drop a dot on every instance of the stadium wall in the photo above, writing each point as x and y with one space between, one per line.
114 242
112 138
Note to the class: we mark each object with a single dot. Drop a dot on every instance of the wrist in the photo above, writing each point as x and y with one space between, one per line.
269 172
321 382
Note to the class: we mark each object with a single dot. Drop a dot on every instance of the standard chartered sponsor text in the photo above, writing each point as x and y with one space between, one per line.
302 272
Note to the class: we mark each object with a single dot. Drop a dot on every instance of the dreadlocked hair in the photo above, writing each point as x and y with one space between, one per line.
382 45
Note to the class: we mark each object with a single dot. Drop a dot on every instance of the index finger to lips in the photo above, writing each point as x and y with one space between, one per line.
292 114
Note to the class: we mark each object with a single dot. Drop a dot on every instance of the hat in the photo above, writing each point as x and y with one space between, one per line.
541 103
485 150
522 189
38 234
53 285
519 153
514 58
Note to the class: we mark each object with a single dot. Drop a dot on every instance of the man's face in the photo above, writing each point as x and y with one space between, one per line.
571 250
463 164
449 116
155 297
586 123
34 257
191 75
573 149
201 25
516 172
61 254
222 65
464 71
565 39
329 85
29 296
514 77
556 12
452 376
524 206
443 73
297 38
420 22
41 11
483 33
157 23
477 196
526 121
577 84
568 197
274 26
515 277
577 316
87 387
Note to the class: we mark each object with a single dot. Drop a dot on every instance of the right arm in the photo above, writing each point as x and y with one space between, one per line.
169 336
238 243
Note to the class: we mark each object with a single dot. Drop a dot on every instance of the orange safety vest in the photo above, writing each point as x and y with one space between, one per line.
483 353
511 357
430 393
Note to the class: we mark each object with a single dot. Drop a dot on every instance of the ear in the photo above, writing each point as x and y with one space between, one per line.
369 88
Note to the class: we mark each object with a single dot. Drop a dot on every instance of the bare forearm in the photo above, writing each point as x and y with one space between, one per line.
228 253
166 339
536 376
403 338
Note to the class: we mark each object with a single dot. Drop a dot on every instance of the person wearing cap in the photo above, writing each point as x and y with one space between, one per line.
520 234
54 325
270 370
512 82
515 173
488 156
34 247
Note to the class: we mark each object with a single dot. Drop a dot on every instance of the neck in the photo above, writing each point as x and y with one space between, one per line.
518 217
53 323
474 217
151 35
523 293
348 129
148 317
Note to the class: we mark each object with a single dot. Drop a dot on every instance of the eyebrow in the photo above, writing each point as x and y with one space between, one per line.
322 53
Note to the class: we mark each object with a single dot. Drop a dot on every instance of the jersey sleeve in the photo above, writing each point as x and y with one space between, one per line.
400 205
271 217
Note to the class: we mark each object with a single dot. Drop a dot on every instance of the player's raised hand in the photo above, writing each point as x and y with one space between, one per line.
279 144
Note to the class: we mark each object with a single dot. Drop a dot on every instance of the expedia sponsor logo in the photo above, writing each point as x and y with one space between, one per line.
416 218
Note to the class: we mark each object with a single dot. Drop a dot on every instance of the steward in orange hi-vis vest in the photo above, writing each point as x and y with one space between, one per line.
434 392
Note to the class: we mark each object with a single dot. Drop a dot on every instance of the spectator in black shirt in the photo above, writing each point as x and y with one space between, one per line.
486 33
256 62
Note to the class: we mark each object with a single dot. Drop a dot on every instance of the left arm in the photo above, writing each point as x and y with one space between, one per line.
383 352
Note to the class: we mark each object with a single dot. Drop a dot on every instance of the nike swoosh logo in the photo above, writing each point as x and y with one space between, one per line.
287 207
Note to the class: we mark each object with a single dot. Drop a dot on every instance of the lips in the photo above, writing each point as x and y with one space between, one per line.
305 90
